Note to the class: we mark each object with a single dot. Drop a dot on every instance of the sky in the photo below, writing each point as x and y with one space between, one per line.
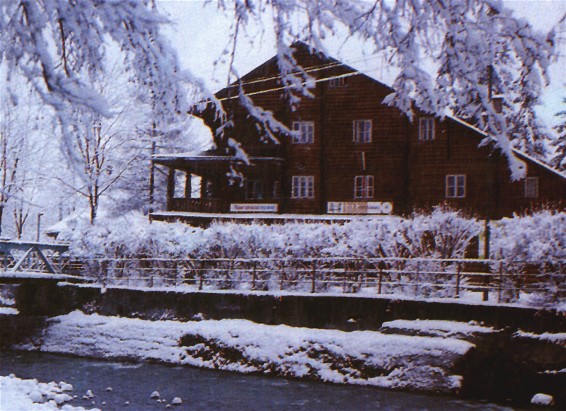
200 33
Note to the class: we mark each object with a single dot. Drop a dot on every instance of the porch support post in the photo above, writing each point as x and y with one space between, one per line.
170 188
188 185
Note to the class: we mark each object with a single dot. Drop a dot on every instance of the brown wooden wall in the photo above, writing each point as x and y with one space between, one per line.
407 172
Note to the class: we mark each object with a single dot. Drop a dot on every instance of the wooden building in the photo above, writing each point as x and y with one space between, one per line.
348 154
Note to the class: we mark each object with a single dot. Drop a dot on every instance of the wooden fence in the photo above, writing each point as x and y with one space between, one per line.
422 277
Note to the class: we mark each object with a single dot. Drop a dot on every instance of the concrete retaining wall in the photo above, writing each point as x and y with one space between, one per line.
315 311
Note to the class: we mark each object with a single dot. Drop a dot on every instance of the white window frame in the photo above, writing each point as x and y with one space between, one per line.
362 130
303 132
426 129
302 187
254 189
363 186
456 186
531 187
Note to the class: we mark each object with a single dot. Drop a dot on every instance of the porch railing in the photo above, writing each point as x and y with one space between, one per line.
199 205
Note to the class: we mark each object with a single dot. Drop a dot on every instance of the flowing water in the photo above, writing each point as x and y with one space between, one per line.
127 386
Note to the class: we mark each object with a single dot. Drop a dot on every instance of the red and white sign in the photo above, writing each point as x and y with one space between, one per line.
359 207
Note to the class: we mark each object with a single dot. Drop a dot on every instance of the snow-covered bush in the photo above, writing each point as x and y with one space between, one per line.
129 248
532 249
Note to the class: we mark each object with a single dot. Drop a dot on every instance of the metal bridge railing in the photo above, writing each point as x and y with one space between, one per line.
503 280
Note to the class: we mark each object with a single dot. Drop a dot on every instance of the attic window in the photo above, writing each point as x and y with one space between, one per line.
426 128
336 82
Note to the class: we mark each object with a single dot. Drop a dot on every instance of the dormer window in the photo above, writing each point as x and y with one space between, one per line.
303 132
426 128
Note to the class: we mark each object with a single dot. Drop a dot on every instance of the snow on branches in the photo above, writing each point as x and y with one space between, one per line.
453 56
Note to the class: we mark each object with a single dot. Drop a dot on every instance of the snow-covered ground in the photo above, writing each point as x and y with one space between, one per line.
359 357
31 395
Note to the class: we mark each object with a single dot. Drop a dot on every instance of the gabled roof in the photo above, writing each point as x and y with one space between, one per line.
221 94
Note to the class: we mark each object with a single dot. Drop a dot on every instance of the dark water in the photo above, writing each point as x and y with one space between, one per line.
209 390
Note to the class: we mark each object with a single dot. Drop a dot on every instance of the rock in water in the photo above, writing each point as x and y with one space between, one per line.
154 395
177 401
542 399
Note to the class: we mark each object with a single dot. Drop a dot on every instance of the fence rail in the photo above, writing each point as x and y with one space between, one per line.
497 280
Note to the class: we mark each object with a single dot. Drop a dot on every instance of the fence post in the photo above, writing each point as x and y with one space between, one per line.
345 276
313 279
282 276
380 280
201 275
458 273
417 277
500 281
253 274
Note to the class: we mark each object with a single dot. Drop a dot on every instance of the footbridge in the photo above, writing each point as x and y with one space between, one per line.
31 271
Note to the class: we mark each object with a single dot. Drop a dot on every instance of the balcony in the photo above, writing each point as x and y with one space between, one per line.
199 205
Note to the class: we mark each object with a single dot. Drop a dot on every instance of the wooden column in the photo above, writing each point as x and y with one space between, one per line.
170 188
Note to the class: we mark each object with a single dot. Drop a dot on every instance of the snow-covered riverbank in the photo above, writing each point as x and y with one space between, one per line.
18 394
360 357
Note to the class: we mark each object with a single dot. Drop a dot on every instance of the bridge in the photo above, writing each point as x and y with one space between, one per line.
35 268
27 261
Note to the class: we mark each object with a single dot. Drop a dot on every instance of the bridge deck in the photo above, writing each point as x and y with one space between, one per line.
19 277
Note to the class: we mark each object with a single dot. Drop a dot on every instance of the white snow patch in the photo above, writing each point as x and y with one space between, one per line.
30 395
420 363
542 399
439 328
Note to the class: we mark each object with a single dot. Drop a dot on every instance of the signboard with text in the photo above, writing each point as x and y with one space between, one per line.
254 208
359 207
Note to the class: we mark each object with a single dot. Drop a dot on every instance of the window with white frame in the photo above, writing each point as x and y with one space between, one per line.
302 187
426 128
303 132
531 187
363 187
254 189
456 186
362 131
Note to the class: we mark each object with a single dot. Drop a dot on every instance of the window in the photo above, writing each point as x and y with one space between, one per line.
531 187
456 186
362 131
363 187
303 132
302 187
254 190
337 82
426 128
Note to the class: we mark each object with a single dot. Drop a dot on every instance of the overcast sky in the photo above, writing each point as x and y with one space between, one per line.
201 33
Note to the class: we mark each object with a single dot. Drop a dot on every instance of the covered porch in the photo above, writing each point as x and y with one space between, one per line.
207 182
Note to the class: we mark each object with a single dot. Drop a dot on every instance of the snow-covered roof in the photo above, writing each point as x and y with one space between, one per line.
204 156
516 151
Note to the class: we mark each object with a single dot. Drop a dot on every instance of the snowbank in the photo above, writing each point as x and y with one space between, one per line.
360 357
30 395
